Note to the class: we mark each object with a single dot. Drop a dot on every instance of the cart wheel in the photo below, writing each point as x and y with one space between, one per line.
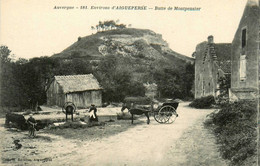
172 113
171 119
160 118
166 114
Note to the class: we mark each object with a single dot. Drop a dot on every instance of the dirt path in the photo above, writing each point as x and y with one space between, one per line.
185 142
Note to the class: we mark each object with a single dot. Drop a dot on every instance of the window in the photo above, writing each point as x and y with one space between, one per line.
242 67
243 38
243 42
203 88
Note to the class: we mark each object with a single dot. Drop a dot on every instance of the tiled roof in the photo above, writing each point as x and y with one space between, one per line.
77 83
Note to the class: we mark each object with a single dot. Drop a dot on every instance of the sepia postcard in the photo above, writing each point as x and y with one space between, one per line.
129 82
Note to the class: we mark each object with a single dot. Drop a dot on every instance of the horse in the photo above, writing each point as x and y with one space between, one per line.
137 111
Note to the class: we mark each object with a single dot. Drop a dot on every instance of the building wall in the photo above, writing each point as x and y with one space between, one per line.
250 21
55 95
205 73
85 99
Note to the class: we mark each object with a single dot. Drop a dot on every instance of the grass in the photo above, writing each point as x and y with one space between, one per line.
95 132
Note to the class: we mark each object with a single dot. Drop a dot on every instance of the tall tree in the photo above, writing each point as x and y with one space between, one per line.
8 83
5 54
116 77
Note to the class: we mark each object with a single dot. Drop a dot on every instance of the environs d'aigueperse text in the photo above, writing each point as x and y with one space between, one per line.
158 8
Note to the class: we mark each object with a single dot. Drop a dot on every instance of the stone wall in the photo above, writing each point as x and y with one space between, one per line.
250 22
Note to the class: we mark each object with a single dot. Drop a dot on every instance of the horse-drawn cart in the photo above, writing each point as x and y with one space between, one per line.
165 113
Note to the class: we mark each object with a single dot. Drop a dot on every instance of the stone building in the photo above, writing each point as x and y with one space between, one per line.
212 61
245 54
82 90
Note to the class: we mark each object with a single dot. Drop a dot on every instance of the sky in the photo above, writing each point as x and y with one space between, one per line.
33 28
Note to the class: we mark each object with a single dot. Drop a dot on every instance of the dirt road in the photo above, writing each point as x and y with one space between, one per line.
185 142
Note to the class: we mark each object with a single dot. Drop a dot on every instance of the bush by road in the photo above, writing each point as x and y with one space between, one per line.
235 127
203 102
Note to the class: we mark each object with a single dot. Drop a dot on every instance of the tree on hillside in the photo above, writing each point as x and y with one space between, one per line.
108 25
112 24
97 27
92 28
121 26
101 25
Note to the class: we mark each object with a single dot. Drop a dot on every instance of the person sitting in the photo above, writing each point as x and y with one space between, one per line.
32 124
93 113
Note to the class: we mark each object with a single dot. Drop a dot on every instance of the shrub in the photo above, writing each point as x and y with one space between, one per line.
204 102
235 128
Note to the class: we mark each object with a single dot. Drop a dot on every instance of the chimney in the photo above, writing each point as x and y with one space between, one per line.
210 39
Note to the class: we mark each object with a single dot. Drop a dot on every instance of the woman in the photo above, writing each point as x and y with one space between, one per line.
93 113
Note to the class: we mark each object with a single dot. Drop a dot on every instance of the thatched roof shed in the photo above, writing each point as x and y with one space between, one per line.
82 90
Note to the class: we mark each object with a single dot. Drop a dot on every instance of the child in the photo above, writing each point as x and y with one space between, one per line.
32 124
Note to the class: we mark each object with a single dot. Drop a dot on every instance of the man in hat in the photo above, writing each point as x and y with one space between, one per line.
32 124
93 113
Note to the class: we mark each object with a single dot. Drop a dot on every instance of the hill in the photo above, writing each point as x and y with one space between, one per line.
124 60
128 42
